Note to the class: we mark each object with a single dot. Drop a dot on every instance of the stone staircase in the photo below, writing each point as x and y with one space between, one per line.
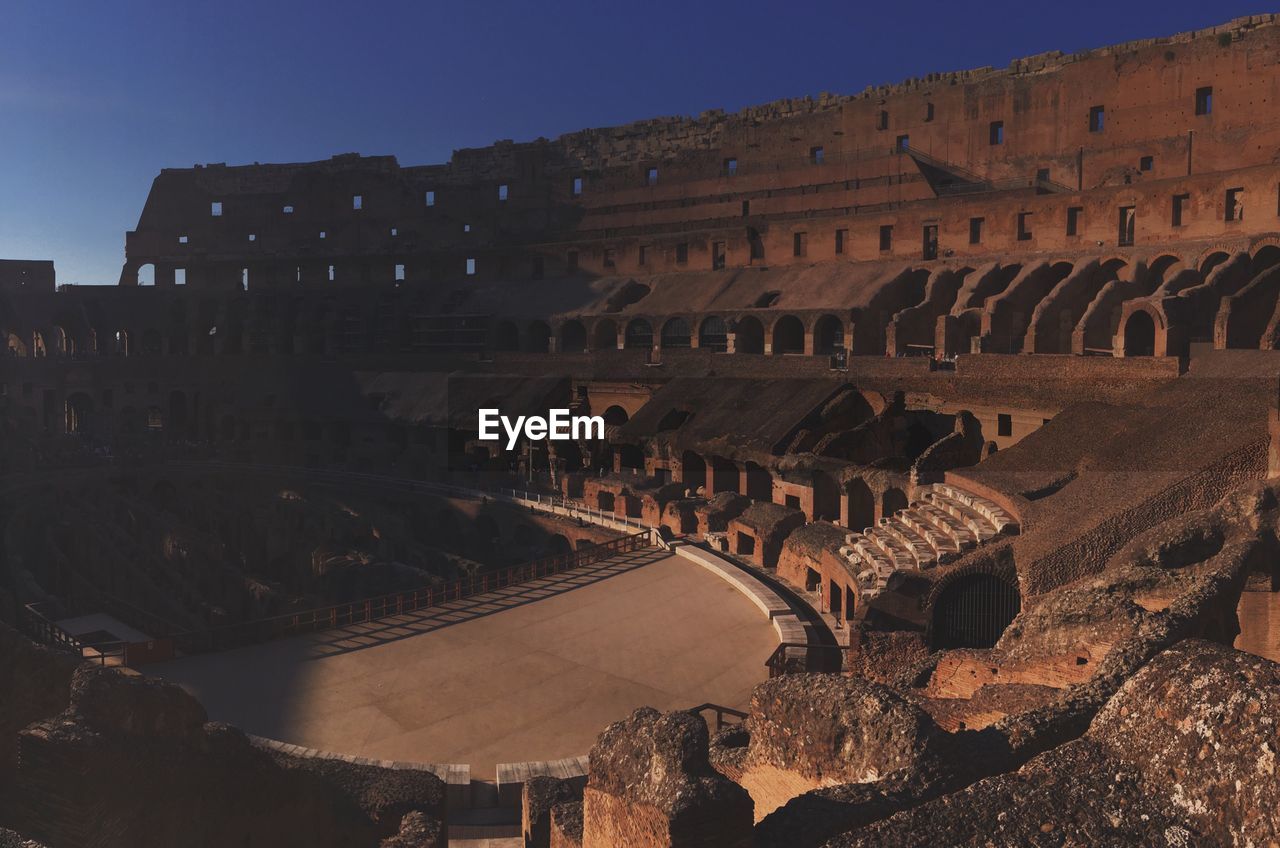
943 523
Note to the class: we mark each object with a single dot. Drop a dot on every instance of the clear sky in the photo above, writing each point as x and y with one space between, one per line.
96 97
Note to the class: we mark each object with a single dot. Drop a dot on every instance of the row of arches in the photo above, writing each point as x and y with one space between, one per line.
786 335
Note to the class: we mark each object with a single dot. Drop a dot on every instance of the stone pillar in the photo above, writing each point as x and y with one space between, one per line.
540 796
651 785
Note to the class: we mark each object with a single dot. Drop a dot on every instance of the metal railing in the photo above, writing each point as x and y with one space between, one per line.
720 712
801 657
46 631
398 603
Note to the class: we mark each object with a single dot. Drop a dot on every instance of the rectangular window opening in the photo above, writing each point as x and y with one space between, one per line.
882 123
1097 118
717 255
842 236
215 208
651 176
179 276
577 186
431 198
1204 100
1004 424
730 167
610 258
800 244
902 144
1146 163
746 208
817 155
288 210
886 237
399 273
471 266
1235 204
502 192
642 257
1073 220
357 201
928 112
997 133
1180 203
975 230
332 274
929 249
682 253
1024 226
1128 218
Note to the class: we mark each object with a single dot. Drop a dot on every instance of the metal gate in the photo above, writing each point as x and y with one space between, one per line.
973 611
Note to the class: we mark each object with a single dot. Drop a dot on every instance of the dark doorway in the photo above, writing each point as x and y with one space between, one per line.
973 611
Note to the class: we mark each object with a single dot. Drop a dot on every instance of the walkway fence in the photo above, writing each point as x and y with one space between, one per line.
45 630
398 603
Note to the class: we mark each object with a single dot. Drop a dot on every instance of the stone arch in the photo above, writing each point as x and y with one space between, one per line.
1210 259
1160 264
973 610
16 346
676 333
1140 334
615 416
892 500
79 412
862 504
573 337
693 470
38 346
506 336
604 335
558 545
146 275
787 335
539 337
124 343
1263 257
638 335
748 335
713 334
828 335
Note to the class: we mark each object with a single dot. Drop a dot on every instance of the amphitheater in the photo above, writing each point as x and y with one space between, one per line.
938 503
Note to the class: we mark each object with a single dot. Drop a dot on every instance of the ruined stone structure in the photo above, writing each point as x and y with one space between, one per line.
970 383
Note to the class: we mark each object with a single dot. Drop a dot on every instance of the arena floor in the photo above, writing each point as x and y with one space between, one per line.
532 672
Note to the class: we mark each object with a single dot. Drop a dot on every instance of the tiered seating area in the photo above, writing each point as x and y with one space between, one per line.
944 523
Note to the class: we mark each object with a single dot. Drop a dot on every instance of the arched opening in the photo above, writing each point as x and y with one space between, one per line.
539 337
675 333
16 346
759 482
724 475
788 335
1266 257
522 535
124 343
1160 265
862 504
826 497
151 343
1213 260
639 335
79 408
713 335
146 275
605 335
973 610
693 470
748 335
604 501
1140 335
558 545
892 500
573 337
38 347
615 416
506 336
828 335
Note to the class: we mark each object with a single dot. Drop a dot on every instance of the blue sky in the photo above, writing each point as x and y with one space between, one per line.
97 97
